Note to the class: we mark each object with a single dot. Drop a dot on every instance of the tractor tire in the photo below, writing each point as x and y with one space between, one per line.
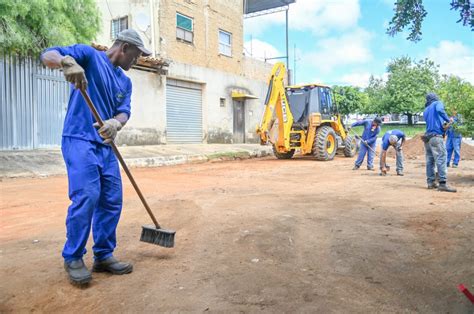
325 143
350 146
286 155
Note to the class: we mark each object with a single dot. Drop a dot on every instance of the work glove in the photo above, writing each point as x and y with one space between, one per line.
109 130
74 73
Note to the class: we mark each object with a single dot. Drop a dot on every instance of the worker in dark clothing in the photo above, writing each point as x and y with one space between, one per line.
95 186
368 141
436 123
395 138
453 143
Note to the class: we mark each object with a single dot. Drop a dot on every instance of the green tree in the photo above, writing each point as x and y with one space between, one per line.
27 27
407 84
349 99
377 97
458 96
410 13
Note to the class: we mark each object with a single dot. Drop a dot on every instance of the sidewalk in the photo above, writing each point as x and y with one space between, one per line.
41 163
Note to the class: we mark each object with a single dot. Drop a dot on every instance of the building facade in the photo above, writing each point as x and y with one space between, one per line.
211 93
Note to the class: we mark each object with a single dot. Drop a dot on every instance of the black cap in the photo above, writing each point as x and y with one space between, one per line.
131 36
378 120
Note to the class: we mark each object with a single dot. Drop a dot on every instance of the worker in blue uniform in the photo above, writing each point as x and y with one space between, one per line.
453 143
396 139
368 141
437 122
95 186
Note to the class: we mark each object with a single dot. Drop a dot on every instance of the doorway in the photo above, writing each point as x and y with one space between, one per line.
239 121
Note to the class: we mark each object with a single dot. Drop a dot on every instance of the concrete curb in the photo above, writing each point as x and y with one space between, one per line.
160 161
32 166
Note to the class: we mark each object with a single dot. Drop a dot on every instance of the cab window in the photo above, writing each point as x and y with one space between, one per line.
326 101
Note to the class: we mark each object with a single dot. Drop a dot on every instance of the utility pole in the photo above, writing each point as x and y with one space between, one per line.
251 45
294 64
287 57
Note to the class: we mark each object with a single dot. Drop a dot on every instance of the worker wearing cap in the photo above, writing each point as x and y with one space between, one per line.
368 141
95 186
435 150
396 139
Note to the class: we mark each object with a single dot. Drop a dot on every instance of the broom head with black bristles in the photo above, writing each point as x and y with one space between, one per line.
161 237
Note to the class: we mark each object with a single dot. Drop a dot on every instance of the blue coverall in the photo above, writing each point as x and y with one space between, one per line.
95 186
370 136
435 149
453 144
386 144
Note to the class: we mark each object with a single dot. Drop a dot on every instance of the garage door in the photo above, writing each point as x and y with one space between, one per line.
183 112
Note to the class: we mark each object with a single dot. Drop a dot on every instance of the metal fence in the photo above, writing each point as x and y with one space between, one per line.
33 104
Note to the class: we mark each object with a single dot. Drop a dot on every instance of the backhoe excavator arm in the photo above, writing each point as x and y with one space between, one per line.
276 102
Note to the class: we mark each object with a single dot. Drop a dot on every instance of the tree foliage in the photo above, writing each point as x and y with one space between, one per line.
377 96
407 85
350 99
458 97
411 13
404 91
27 27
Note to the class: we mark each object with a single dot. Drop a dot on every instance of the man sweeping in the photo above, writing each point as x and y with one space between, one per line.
95 186
368 141
396 139
435 151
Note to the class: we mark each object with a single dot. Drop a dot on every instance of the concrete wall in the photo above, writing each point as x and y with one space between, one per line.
147 124
208 16
113 9
198 62
218 121
148 121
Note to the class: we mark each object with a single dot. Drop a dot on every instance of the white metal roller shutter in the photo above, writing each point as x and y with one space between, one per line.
183 114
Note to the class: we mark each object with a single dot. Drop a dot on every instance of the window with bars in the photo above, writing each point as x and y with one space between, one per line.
225 43
184 28
118 25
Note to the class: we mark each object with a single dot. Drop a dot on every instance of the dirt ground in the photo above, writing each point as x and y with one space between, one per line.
254 235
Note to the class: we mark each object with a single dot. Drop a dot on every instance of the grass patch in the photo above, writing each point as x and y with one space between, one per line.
229 155
409 131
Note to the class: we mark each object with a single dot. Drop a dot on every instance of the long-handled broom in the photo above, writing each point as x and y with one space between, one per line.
150 234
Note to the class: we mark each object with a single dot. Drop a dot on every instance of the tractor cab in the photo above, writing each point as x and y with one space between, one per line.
307 99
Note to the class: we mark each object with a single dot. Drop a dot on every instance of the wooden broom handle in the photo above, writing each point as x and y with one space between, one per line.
97 117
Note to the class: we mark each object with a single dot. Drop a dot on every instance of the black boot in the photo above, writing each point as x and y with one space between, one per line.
432 186
445 188
113 266
78 272
356 167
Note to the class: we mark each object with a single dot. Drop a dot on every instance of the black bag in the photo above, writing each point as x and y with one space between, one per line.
427 137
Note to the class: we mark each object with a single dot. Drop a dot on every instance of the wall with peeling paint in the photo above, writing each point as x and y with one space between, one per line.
147 124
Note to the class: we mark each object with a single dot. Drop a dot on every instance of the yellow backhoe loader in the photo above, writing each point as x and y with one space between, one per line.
303 118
